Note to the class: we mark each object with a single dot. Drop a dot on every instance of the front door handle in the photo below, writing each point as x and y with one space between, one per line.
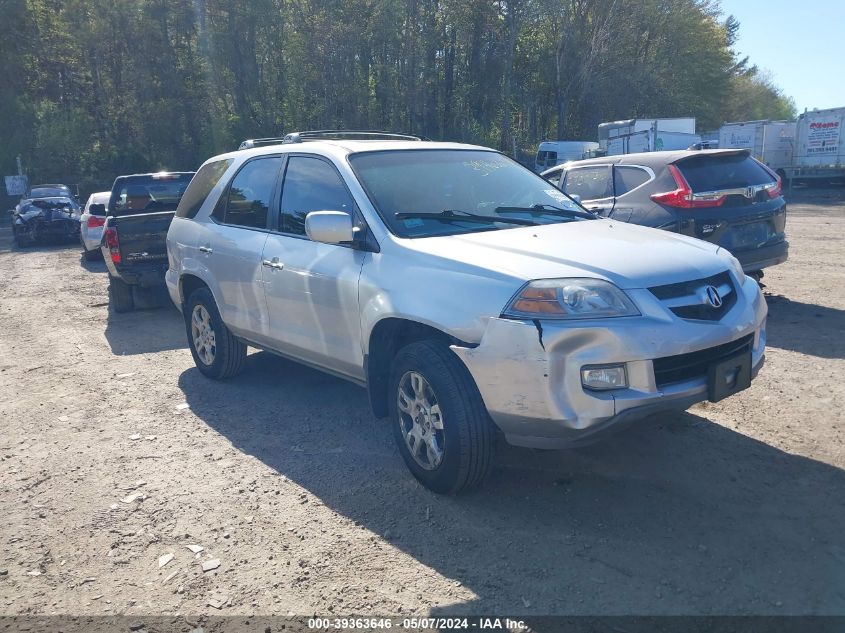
274 263
205 249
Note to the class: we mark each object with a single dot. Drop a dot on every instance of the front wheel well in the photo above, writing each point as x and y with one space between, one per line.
386 339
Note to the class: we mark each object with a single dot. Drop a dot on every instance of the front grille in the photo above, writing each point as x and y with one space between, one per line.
687 301
672 369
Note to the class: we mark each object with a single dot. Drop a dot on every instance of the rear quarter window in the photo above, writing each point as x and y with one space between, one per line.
720 171
627 178
201 185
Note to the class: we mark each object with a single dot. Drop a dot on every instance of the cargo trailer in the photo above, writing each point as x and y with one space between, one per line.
770 142
647 135
819 151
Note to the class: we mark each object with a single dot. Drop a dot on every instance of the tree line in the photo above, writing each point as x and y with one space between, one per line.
95 88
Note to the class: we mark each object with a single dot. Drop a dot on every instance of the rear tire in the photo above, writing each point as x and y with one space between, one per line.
463 433
216 351
121 295
90 256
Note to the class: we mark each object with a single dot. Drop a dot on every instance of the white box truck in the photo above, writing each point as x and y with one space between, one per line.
647 135
819 146
770 142
552 153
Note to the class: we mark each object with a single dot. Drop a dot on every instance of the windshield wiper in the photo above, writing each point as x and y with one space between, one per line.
456 215
549 209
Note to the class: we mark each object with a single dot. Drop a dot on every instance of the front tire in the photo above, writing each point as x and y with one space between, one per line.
440 423
120 293
21 241
217 353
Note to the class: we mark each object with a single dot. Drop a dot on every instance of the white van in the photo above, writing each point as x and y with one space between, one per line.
552 153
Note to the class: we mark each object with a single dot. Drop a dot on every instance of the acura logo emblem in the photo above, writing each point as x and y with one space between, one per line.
713 297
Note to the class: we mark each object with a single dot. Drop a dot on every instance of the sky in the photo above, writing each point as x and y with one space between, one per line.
800 42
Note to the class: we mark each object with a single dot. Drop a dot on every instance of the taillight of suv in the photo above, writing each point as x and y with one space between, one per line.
95 221
683 197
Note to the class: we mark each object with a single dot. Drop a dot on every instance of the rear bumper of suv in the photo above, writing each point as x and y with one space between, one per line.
763 257
529 374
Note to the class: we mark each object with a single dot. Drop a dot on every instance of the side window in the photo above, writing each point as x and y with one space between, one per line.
591 183
626 178
311 184
201 185
251 192
554 178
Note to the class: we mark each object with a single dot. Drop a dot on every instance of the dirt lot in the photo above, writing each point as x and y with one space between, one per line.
284 476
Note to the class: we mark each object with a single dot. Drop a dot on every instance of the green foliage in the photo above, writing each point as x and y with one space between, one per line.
95 88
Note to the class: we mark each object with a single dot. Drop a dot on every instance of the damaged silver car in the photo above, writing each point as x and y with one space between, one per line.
470 297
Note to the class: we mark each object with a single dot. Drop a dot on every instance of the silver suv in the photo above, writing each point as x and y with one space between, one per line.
466 293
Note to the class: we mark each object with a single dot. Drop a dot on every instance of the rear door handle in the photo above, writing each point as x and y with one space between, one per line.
205 249
274 263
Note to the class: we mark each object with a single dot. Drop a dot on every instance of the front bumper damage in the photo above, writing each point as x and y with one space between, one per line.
46 226
529 373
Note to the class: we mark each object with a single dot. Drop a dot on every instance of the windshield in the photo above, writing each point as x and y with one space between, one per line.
49 192
418 184
156 192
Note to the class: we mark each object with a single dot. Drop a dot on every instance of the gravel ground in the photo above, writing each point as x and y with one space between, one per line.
116 452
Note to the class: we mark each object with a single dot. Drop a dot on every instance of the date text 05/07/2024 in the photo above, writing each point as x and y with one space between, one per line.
409 624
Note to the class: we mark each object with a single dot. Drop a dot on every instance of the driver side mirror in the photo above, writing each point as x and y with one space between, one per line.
329 227
575 197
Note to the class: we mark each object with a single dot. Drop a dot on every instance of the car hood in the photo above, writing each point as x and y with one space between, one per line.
627 255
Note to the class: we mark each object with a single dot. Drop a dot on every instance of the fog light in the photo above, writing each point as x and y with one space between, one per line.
604 377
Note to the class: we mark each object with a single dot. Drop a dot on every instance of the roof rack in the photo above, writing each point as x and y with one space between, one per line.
258 142
375 135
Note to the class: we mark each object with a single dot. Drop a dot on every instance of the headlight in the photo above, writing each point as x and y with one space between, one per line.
733 263
737 268
569 299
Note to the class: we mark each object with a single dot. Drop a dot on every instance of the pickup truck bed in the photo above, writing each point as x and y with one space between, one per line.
135 251
135 248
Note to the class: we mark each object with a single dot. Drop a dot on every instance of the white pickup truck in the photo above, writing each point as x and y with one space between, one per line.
462 290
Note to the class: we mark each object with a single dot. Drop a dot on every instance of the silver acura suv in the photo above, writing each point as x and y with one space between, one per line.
467 294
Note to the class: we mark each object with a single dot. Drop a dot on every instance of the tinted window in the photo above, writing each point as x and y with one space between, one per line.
591 183
547 159
148 194
554 178
310 185
627 178
201 185
714 172
251 192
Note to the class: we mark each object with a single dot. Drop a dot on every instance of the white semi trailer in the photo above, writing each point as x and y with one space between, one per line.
819 146
770 142
647 135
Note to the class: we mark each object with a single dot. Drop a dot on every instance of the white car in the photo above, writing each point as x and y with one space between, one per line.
92 221
462 290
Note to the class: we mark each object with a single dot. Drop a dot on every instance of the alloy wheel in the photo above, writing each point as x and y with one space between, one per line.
420 420
202 334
